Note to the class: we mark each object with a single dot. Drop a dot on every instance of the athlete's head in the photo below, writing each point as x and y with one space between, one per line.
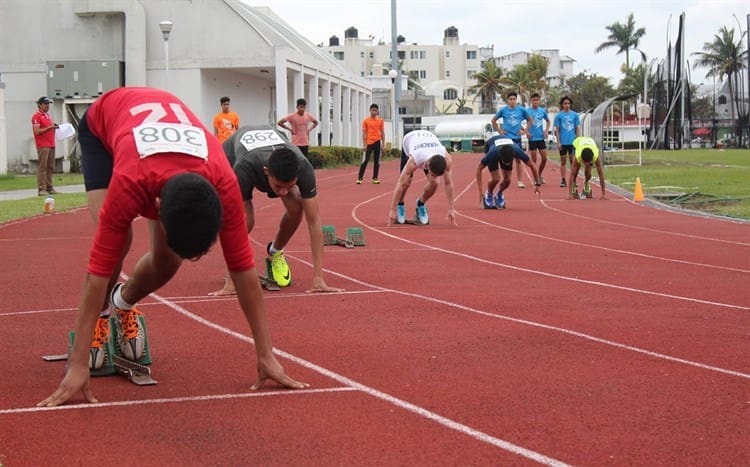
587 155
436 165
565 100
301 105
190 211
282 170
511 98
506 153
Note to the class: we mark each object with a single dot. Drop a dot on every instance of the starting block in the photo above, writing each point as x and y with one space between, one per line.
114 363
355 236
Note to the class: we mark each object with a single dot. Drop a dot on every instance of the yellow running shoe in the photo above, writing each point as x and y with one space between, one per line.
97 351
280 269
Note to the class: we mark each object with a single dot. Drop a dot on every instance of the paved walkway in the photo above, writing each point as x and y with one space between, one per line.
32 192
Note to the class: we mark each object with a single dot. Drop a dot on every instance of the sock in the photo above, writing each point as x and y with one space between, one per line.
117 300
272 249
401 203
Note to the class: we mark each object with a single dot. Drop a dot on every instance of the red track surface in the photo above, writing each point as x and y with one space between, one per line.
579 332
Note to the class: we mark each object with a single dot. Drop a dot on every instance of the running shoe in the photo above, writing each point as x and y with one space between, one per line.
400 214
521 184
359 181
129 335
422 216
563 184
488 202
587 190
280 269
541 180
375 181
499 201
97 352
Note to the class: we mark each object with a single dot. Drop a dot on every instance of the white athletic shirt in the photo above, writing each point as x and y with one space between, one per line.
421 145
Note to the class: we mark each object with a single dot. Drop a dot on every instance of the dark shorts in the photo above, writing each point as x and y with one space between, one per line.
96 161
304 149
567 149
540 145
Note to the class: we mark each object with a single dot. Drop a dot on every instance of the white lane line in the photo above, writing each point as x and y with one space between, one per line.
613 250
173 400
412 408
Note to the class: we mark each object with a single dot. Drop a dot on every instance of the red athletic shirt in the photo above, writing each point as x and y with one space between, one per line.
136 182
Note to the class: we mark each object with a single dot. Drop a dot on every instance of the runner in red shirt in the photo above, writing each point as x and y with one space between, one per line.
145 153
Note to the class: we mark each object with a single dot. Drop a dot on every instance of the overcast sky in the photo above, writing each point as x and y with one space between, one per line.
575 27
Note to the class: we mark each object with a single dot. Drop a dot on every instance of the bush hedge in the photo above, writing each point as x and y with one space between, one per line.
336 156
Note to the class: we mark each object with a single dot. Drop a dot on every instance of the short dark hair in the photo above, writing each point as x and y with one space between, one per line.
566 98
437 164
511 94
536 94
506 153
190 211
283 164
301 101
374 106
587 154
223 100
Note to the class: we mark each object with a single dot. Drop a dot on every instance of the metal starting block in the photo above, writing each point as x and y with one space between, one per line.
411 222
354 237
267 281
114 362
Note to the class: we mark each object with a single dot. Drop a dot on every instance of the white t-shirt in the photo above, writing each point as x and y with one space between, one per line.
421 145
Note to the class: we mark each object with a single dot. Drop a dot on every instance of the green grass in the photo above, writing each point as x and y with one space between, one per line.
22 182
18 209
710 180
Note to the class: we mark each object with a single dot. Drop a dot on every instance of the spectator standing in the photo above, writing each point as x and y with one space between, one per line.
298 124
226 122
44 137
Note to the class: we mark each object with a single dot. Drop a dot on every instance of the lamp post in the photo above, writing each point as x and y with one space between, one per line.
393 74
166 28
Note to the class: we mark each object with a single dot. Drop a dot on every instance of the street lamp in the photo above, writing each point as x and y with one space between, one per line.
393 74
166 28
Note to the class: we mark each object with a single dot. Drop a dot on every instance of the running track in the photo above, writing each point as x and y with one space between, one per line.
554 332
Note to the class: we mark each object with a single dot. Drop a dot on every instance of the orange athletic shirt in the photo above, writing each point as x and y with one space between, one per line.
226 124
373 128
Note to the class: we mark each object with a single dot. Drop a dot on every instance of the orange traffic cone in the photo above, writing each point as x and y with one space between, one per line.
638 192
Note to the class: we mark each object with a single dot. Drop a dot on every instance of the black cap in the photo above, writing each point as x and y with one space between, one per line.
43 100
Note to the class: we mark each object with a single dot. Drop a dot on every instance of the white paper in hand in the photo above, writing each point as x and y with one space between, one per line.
64 131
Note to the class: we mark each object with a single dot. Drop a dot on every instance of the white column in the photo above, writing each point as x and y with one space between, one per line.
325 118
280 81
299 87
3 146
347 117
313 107
337 126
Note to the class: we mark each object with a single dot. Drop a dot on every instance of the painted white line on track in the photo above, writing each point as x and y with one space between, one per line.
415 409
173 400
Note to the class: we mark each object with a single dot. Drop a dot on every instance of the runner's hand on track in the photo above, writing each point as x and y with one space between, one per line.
319 286
76 379
270 368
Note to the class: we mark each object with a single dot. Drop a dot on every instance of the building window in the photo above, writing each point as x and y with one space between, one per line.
470 74
447 73
362 54
338 55
401 54
471 55
450 94
722 100
422 74
447 54
413 54
372 55
422 54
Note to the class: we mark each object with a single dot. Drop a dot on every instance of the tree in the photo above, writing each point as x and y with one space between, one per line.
527 78
588 91
723 57
625 37
489 85
632 82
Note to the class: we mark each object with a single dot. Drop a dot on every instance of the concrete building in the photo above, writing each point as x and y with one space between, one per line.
442 73
559 68
215 48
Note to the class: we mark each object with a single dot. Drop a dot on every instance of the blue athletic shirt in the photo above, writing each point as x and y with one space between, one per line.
512 119
567 122
492 150
539 116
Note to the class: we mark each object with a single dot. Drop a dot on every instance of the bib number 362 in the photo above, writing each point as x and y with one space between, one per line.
157 137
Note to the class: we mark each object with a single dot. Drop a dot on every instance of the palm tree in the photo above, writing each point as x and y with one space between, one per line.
489 85
527 78
723 57
625 37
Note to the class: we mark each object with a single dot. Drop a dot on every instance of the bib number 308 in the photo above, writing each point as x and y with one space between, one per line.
157 137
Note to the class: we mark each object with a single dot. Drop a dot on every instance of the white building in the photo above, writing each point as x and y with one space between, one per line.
443 72
73 50
559 67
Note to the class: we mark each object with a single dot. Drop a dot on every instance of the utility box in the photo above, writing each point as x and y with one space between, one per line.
83 78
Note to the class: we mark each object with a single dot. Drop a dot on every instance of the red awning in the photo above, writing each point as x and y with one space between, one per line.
703 131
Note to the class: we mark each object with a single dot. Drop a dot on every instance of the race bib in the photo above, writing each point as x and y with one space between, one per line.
254 139
503 141
157 137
